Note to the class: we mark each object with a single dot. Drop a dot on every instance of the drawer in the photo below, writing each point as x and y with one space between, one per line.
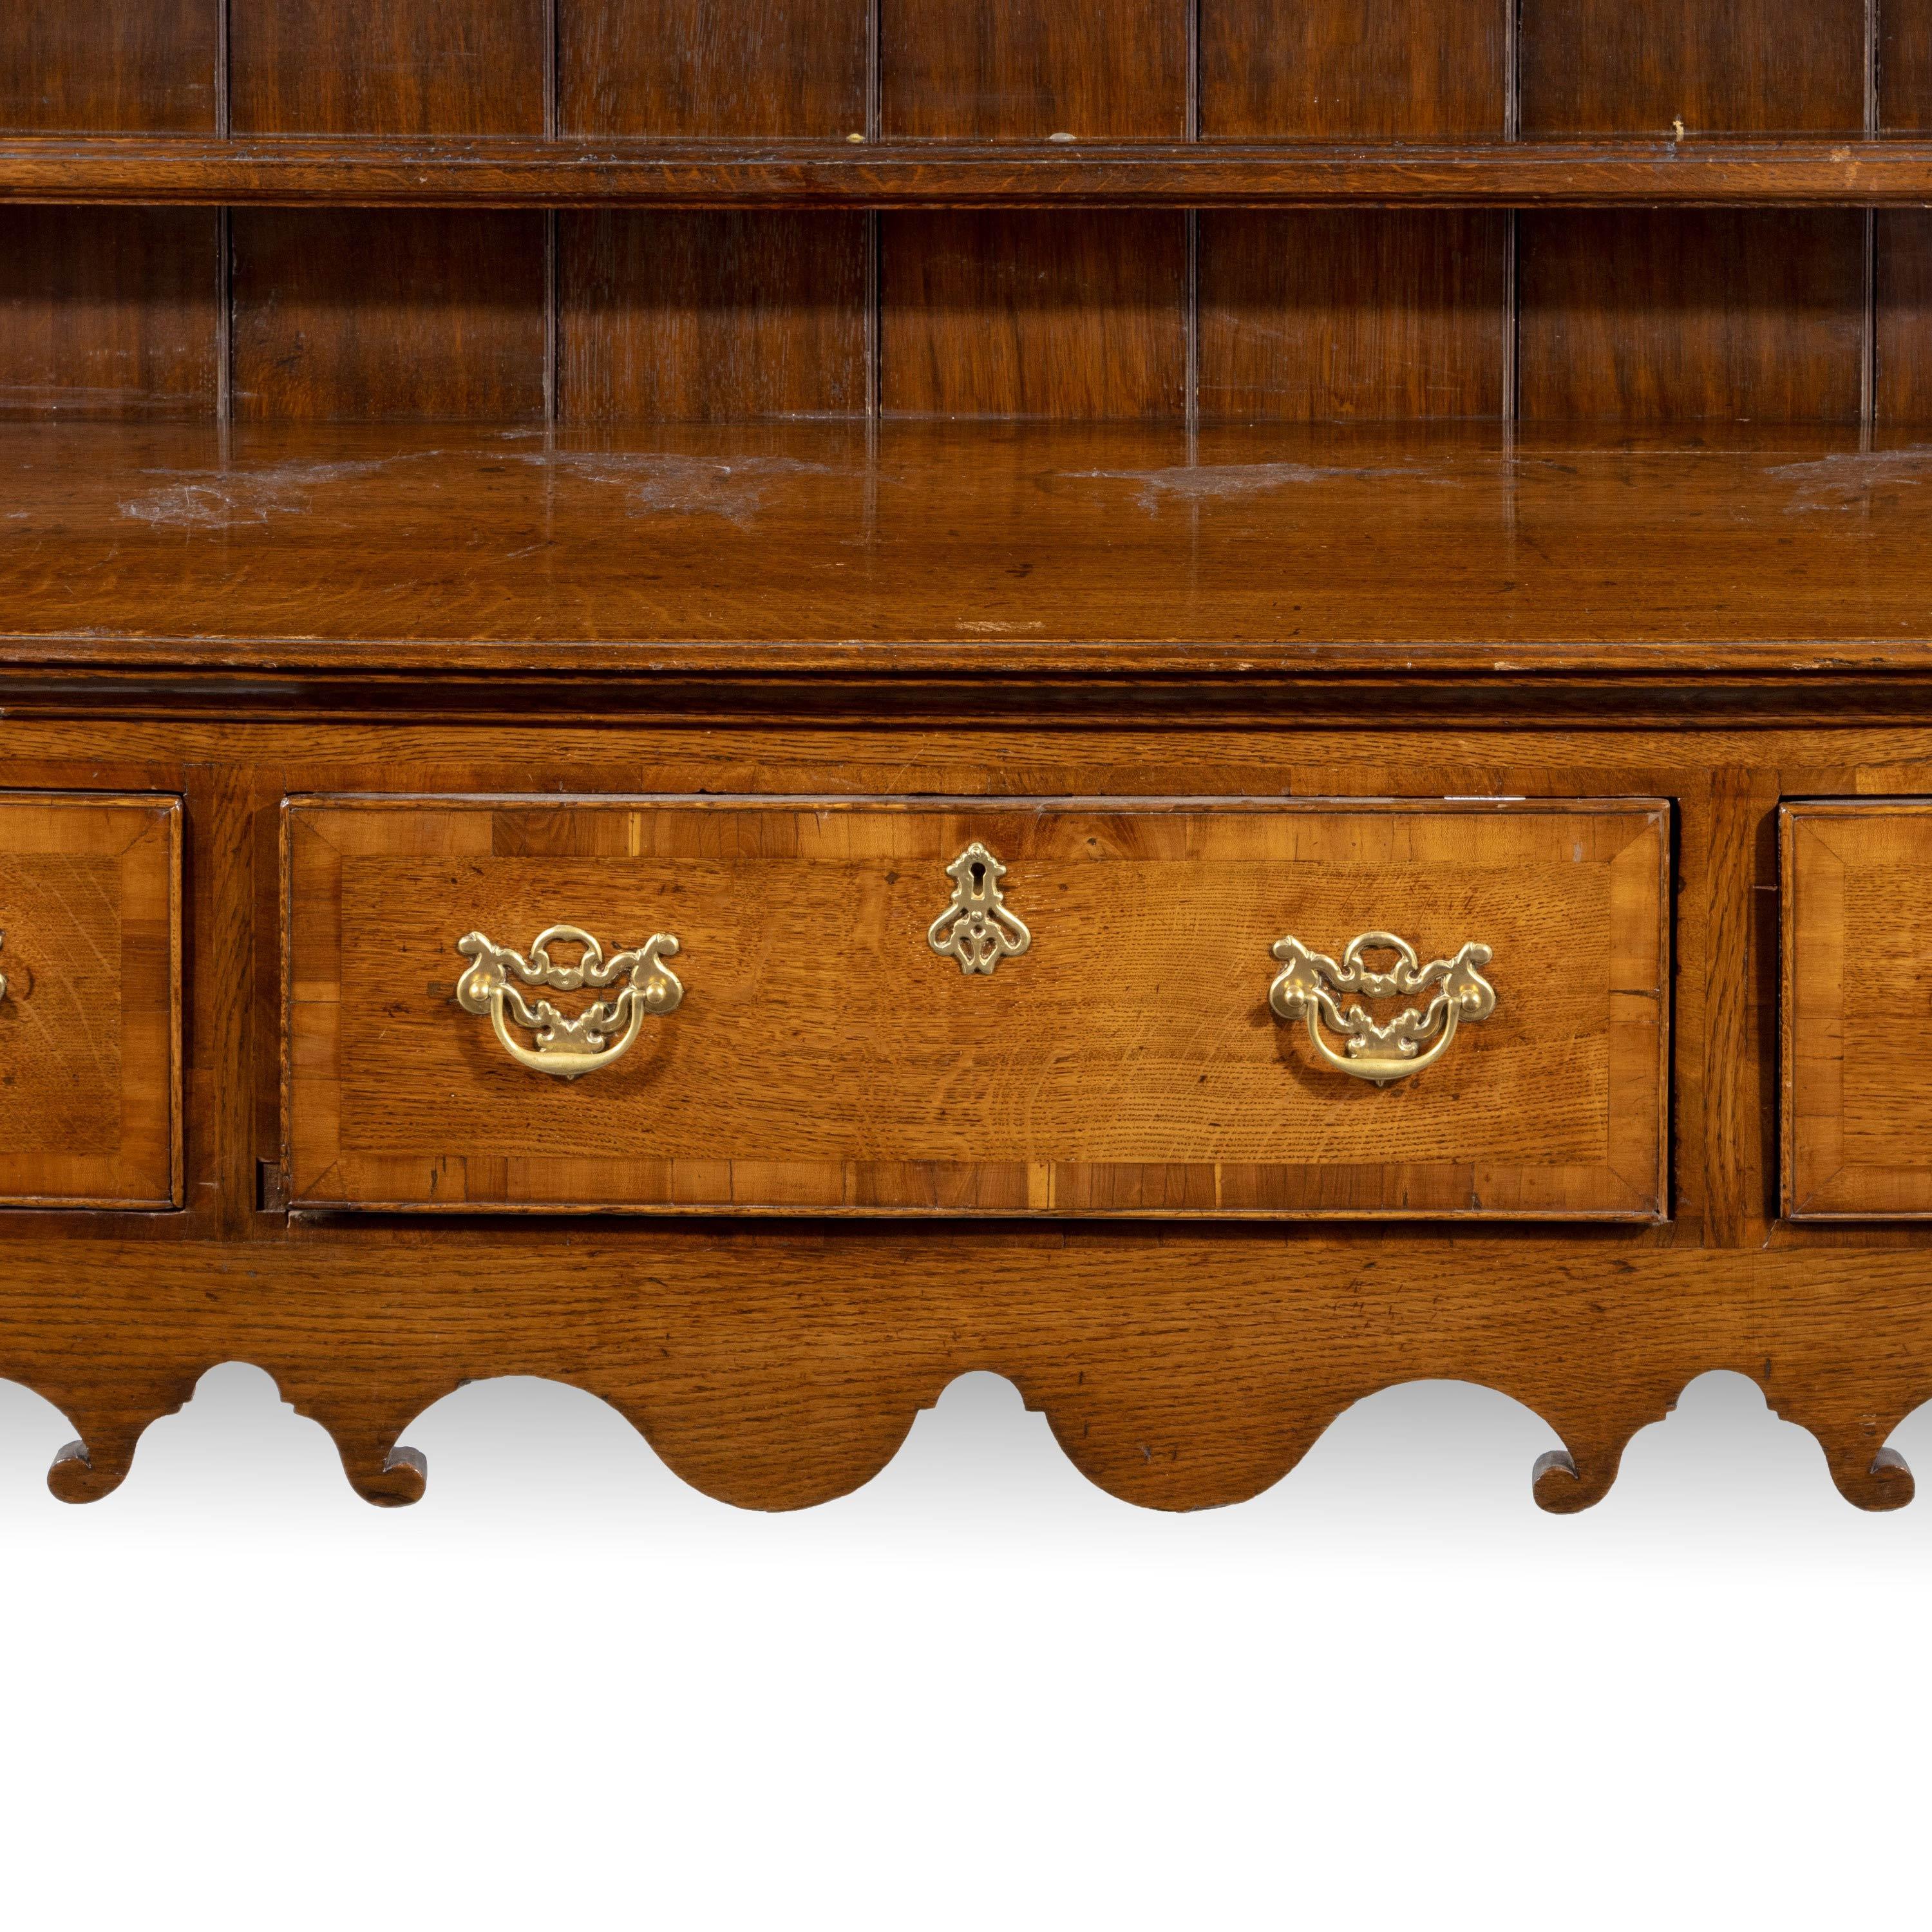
1005 1006
1857 998
90 957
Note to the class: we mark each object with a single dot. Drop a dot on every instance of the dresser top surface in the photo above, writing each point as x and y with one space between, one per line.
1005 546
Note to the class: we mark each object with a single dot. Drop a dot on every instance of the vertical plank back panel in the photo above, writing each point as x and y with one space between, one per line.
387 67
1905 67
388 316
1317 316
685 69
1633 67
1902 389
1353 69
108 312
109 67
1691 315
1034 315
707 318
1024 70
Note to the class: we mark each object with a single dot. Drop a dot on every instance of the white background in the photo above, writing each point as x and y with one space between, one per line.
566 1691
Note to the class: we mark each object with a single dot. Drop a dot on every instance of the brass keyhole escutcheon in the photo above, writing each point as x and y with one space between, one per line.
978 928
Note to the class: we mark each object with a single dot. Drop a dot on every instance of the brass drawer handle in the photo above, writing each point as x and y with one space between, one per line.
567 1049
1305 987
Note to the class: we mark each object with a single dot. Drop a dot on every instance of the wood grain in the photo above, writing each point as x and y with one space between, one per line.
680 69
1902 313
1690 316
1183 1373
1352 69
120 67
109 313
387 67
90 949
1080 552
780 1367
1734 1106
1772 66
796 657
369 172
1027 69
389 317
1905 67
1313 317
708 318
1030 315
1858 908
863 1072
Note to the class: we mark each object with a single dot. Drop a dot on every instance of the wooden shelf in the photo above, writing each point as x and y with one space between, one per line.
993 548
561 174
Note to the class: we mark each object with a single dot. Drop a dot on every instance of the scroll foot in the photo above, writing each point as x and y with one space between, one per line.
1563 1486
391 1481
1880 1482
382 1469
84 1471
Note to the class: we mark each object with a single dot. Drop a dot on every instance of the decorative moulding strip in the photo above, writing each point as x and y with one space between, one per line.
298 171
151 658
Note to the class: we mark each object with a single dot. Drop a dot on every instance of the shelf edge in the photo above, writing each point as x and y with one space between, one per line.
537 173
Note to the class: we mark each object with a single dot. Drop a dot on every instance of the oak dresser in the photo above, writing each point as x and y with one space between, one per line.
1211 704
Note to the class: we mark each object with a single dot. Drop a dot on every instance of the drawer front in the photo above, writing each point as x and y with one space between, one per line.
1857 1101
90 958
1111 1016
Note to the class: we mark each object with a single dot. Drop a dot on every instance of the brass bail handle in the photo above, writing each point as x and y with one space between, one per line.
1306 987
603 1032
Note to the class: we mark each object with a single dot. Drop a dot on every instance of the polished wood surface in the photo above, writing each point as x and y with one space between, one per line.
1389 70
779 1371
932 546
1246 1343
1760 315
1639 67
113 313
1757 317
1901 314
826 1058
1858 1112
685 69
1228 424
110 67
1318 317
1033 315
387 67
580 172
1029 70
1904 66
721 318
424 317
90 950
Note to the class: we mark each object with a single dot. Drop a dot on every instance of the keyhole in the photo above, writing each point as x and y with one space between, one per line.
979 875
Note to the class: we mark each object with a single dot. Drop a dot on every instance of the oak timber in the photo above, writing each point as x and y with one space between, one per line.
825 1058
1009 546
90 1020
832 172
